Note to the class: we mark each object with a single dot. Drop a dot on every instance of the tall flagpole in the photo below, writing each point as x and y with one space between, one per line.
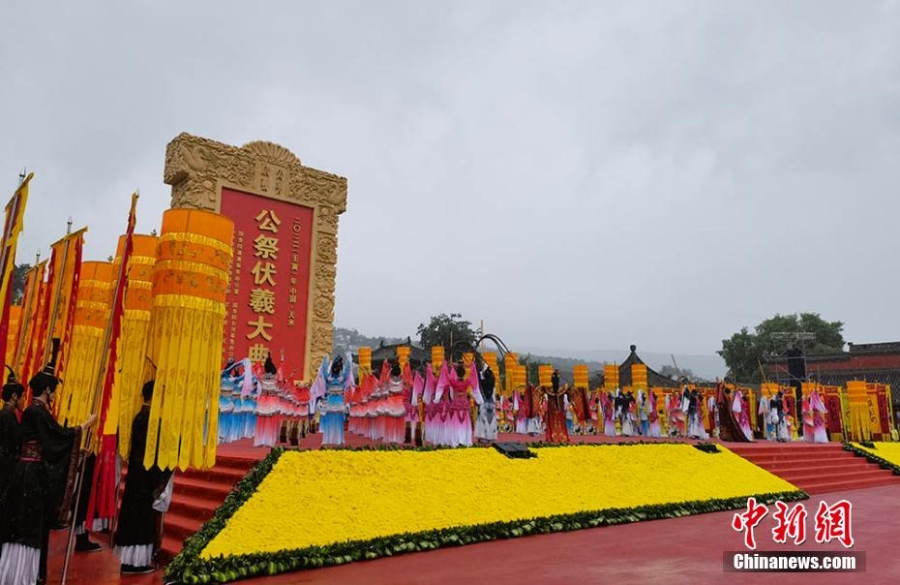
67 242
98 392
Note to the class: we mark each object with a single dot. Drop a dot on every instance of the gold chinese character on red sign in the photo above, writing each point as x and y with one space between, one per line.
268 221
262 301
263 273
261 329
258 352
266 247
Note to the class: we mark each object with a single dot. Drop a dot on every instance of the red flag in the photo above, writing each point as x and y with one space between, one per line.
103 493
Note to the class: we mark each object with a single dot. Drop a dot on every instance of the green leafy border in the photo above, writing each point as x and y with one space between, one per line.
189 568
884 463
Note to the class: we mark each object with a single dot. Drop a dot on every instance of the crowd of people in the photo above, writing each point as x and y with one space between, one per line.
39 462
458 405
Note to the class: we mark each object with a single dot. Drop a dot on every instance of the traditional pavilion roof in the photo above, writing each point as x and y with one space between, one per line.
417 355
654 378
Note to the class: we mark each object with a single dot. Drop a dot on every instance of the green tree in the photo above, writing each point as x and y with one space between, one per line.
18 282
744 352
445 330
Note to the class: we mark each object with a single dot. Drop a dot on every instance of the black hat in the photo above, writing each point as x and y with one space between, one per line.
395 369
12 386
46 378
270 366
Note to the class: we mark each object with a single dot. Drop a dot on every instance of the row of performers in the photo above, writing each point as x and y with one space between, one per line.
399 404
460 406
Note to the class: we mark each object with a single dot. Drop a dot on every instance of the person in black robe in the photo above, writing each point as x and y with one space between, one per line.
136 536
40 483
10 432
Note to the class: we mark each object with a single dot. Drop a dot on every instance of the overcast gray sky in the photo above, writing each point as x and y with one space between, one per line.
580 175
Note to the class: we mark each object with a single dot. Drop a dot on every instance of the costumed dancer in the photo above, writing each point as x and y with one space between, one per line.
145 497
226 402
653 429
820 414
241 374
695 417
394 406
10 432
728 426
337 380
454 387
742 413
629 421
42 483
412 408
606 406
521 426
556 425
430 407
532 411
762 417
713 412
486 423
643 415
268 427
250 402
778 418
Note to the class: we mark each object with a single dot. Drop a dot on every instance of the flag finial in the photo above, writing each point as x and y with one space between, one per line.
22 176
69 226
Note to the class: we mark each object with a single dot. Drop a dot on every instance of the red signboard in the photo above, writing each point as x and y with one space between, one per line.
270 276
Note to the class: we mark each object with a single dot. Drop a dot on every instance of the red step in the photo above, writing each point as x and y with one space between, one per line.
195 497
817 469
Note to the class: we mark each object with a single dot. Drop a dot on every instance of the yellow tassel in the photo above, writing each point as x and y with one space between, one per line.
186 335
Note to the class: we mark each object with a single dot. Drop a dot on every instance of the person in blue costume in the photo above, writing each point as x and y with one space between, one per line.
226 402
337 379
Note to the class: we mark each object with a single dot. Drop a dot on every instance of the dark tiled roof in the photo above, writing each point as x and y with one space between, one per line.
654 379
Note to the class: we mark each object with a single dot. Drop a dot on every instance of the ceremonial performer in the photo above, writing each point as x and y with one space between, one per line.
486 423
643 416
41 485
557 429
336 380
10 431
654 429
778 419
819 414
742 413
137 537
728 426
606 406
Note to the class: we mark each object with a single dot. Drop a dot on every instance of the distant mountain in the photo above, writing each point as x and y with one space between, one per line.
351 340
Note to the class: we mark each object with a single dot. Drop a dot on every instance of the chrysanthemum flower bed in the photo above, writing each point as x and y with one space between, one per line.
887 455
318 508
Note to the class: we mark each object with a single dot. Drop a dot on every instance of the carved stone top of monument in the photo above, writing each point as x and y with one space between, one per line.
197 168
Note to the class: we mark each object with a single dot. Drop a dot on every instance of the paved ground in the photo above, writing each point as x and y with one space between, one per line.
682 550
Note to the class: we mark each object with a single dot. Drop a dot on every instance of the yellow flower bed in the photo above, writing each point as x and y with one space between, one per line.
315 498
890 452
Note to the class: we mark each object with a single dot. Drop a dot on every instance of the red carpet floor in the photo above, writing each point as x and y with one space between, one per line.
681 550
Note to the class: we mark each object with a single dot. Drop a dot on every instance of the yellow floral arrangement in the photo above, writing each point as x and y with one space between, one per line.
307 509
883 453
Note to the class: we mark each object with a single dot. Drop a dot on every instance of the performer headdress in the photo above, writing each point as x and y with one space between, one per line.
12 386
46 379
